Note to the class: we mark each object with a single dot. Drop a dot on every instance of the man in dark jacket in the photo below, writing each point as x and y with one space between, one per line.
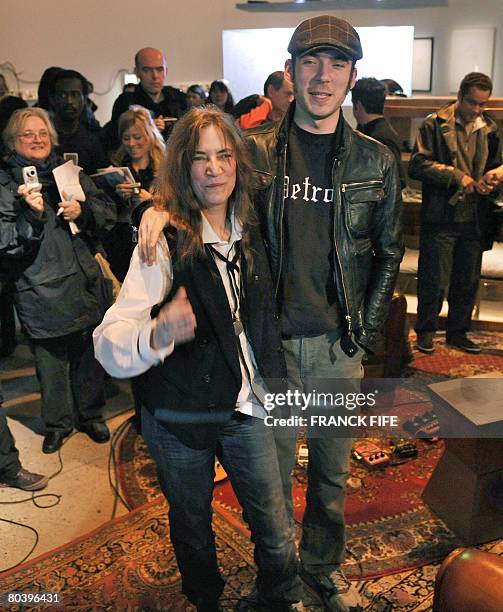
68 100
330 206
164 102
457 156
368 97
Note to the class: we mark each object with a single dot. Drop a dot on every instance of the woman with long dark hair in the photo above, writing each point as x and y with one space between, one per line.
220 95
198 330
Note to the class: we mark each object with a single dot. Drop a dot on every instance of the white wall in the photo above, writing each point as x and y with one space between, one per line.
97 37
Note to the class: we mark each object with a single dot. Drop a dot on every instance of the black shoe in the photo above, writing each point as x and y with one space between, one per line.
98 432
337 593
250 603
424 342
463 344
53 441
27 481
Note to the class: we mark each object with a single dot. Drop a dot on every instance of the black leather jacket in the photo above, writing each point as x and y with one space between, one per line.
366 227
433 162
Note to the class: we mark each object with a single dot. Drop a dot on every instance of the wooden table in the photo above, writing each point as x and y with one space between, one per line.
466 488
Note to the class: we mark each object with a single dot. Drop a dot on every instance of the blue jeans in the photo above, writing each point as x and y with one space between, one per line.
246 449
323 541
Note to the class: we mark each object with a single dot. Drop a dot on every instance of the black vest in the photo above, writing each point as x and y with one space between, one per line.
195 389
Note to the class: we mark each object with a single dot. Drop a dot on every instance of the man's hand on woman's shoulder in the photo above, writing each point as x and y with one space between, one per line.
153 221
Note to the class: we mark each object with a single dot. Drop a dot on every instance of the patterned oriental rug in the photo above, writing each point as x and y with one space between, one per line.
128 563
452 363
389 528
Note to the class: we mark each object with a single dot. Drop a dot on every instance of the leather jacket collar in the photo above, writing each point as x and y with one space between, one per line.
341 137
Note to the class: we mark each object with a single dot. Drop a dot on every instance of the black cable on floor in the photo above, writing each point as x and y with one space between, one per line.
37 537
35 497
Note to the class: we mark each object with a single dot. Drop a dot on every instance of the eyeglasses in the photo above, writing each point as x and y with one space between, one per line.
30 136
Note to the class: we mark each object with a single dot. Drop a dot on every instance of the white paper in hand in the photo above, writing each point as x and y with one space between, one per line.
67 180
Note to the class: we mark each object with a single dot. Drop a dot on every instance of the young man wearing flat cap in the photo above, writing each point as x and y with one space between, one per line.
329 202
330 206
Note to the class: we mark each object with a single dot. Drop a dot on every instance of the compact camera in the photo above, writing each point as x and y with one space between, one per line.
71 157
30 176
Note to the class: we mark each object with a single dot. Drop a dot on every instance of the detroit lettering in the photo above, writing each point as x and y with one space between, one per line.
307 191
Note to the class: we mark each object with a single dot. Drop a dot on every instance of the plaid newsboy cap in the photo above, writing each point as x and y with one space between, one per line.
326 31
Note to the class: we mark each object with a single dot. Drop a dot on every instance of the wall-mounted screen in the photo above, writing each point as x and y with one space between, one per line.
251 55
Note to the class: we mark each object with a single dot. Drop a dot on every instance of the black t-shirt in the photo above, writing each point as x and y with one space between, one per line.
310 305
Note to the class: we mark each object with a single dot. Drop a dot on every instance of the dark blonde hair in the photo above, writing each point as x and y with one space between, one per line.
16 124
174 191
137 116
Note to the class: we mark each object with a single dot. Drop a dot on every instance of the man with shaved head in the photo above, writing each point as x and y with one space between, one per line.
165 103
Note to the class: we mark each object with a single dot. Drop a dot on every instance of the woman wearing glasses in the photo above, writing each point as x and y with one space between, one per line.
55 275
198 330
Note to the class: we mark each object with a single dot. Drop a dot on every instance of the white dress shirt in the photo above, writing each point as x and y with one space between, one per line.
122 340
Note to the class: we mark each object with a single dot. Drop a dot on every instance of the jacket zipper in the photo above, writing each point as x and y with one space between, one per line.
349 186
282 187
336 249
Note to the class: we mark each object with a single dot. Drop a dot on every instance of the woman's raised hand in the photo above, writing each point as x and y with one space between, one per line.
33 197
175 321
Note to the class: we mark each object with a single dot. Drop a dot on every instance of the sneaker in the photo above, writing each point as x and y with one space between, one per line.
337 593
424 342
27 481
250 603
463 344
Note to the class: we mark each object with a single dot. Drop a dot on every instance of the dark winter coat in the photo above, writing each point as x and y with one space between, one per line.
55 275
